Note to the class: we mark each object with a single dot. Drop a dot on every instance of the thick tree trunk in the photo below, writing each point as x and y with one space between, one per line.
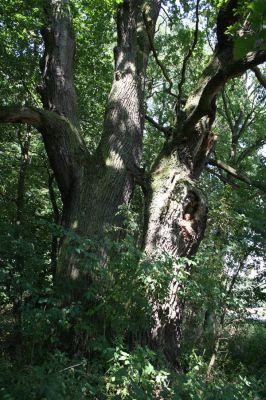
176 212
94 187
176 209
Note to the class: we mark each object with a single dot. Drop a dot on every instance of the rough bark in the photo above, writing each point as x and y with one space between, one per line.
89 206
109 177
57 88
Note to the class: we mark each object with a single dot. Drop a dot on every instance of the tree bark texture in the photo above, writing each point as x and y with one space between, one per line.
93 187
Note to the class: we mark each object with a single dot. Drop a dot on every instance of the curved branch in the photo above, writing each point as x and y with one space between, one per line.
259 76
221 69
23 115
245 153
65 148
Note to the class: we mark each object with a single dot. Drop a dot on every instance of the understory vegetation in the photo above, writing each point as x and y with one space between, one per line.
111 359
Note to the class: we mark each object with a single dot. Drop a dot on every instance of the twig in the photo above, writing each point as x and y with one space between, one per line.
71 366
158 61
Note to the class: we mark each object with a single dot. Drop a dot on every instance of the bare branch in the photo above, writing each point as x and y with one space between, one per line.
165 129
259 76
186 59
168 16
257 144
231 171
158 61
226 111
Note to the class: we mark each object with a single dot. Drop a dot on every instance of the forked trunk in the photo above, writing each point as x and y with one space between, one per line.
93 187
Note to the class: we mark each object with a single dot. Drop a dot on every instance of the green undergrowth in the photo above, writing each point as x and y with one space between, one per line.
97 348
117 373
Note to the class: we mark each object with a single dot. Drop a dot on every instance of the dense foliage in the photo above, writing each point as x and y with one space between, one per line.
224 340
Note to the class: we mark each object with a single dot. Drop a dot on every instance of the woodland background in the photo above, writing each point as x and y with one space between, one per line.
223 338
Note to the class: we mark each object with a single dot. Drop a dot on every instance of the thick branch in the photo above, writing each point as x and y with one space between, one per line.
226 17
259 76
24 115
65 148
221 69
231 171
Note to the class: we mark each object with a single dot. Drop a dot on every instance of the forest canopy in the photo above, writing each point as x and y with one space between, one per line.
132 198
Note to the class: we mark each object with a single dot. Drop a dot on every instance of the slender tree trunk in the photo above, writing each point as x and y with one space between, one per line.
24 142
57 220
221 326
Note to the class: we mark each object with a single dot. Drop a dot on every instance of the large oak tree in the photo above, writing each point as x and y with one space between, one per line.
94 186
